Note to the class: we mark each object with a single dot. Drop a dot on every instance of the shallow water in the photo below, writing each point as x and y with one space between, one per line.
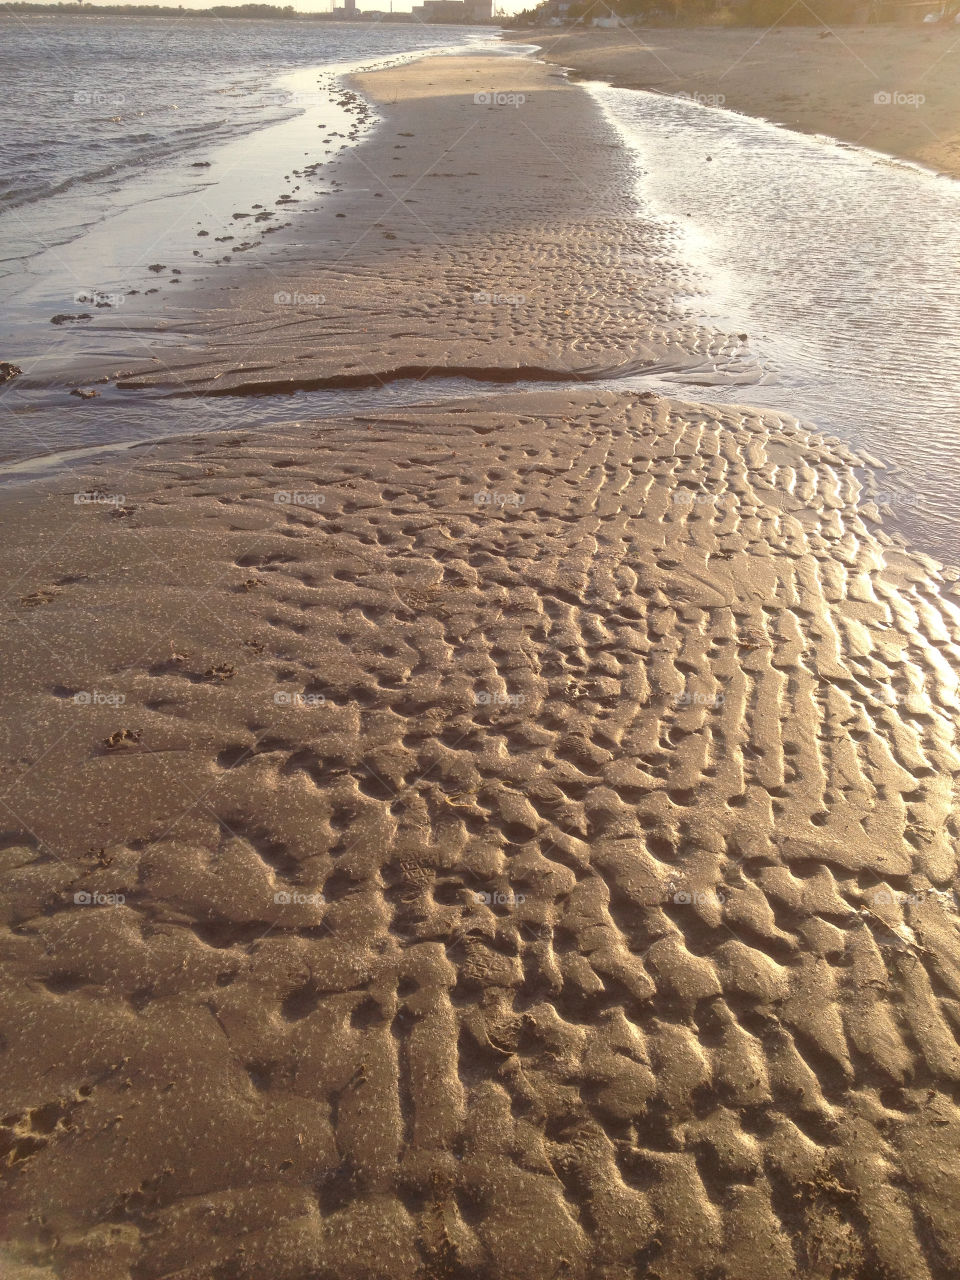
137 141
843 268
90 103
133 142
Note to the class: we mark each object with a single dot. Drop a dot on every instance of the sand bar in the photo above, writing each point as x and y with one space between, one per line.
500 239
636 674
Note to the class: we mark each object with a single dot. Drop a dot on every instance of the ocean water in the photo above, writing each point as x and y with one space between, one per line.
842 267
135 144
91 103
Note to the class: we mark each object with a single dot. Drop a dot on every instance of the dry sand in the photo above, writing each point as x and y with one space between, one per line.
534 824
815 79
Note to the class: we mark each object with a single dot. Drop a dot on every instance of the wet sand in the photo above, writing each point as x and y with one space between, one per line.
505 839
815 79
501 242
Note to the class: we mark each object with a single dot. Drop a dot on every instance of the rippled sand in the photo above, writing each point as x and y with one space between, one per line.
637 668
478 840
497 241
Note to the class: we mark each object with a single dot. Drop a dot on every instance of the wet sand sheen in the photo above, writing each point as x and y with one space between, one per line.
463 235
639 669
535 833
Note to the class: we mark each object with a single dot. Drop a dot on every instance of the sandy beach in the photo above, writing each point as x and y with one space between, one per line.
505 839
815 79
494 239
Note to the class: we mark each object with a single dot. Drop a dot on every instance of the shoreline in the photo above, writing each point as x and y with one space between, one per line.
517 833
211 216
202 221
423 272
436 276
814 80
317 277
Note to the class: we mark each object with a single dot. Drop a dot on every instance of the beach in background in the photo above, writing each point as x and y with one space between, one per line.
893 89
225 233
144 155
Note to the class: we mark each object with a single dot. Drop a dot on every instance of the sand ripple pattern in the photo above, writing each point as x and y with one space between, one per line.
461 239
636 673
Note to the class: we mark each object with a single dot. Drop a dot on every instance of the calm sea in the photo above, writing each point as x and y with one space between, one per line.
89 104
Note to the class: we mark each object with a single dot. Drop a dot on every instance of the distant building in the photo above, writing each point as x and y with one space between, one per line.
440 11
465 11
